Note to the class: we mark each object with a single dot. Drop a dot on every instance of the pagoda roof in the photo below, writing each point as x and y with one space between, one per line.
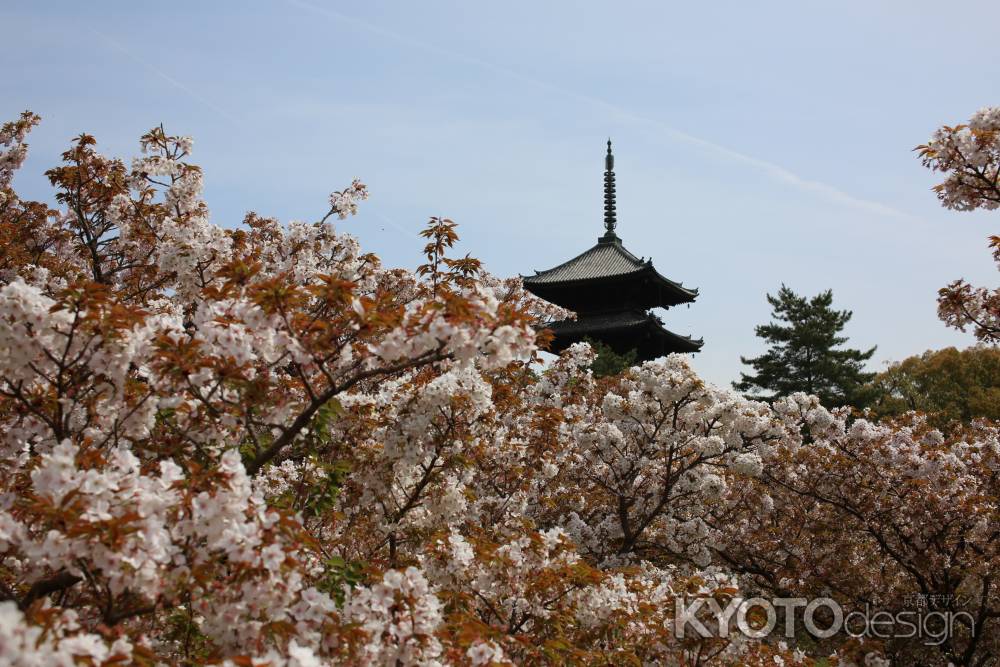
608 327
599 323
607 261
602 261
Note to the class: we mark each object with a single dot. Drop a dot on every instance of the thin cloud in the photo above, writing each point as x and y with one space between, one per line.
166 77
775 171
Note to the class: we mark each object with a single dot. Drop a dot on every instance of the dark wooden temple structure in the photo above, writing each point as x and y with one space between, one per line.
612 292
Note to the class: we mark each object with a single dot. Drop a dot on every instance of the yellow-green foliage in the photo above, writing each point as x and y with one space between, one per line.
948 385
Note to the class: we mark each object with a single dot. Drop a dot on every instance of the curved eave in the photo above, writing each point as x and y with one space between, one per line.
670 293
585 325
683 343
692 294
569 331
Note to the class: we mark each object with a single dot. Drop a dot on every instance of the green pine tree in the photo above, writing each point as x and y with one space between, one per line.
609 362
802 354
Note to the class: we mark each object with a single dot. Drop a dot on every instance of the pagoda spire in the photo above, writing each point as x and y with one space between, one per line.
610 216
613 294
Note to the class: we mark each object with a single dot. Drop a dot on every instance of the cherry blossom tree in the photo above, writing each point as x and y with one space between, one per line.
969 156
259 446
892 517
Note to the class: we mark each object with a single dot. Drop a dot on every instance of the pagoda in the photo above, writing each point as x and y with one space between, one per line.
612 292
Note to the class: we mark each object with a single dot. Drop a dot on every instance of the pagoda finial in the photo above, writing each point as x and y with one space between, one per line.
610 216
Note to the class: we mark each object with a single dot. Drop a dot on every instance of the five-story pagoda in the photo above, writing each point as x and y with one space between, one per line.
612 292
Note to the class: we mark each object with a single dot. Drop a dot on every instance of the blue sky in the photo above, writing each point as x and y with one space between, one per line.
756 143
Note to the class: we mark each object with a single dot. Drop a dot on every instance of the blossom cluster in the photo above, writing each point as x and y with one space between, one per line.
13 150
969 156
344 202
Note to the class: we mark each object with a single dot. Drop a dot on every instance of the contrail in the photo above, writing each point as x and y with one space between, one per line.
392 223
775 171
169 79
